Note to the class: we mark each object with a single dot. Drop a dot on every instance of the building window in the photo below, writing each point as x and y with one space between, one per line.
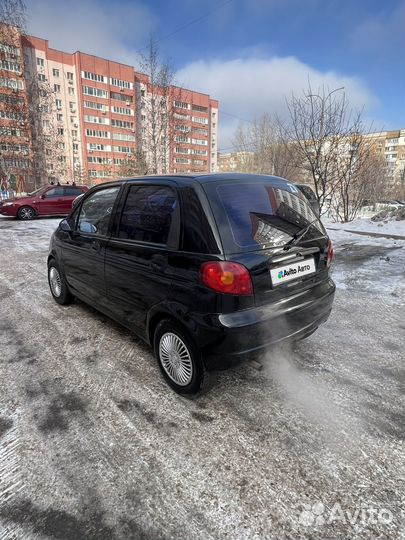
58 103
61 131
122 110
180 150
97 133
181 105
55 72
71 91
99 160
182 138
10 66
94 76
201 131
56 88
11 100
98 106
123 149
199 108
59 117
181 116
11 83
121 97
69 76
121 84
199 120
9 49
122 124
96 119
74 133
97 92
200 142
40 62
123 137
41 77
75 147
98 146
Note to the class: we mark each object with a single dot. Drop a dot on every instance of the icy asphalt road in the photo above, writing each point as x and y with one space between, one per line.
93 444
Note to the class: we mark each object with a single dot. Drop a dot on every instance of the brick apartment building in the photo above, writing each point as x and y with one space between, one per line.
95 117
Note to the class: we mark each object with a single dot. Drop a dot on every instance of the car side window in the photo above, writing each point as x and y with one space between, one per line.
96 211
72 191
148 214
54 192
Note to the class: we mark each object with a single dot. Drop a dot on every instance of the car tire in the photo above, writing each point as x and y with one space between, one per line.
180 360
58 285
26 213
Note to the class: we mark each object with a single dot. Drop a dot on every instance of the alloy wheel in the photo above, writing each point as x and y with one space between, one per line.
55 281
175 359
26 213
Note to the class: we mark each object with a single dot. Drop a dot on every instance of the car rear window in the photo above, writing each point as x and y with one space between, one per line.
260 215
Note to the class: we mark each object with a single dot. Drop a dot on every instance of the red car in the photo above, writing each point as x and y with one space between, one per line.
45 201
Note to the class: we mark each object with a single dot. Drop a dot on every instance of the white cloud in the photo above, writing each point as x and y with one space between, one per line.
92 26
247 87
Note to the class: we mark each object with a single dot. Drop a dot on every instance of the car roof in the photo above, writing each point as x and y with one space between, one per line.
200 178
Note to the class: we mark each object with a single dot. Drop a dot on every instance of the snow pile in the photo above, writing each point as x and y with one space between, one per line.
390 214
366 225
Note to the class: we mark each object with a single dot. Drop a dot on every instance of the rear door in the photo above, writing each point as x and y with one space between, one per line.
138 265
69 195
256 220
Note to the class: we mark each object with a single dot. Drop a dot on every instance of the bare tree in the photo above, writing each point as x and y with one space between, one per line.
133 165
48 138
262 150
14 131
318 122
80 175
157 96
361 175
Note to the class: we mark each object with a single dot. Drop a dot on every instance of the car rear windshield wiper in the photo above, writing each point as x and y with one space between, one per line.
298 235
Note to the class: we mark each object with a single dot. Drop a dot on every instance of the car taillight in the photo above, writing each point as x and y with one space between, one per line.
226 277
330 254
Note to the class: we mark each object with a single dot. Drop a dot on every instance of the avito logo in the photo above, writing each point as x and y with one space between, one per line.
280 274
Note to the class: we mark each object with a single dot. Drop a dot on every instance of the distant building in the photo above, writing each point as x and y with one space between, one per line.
236 161
89 115
391 146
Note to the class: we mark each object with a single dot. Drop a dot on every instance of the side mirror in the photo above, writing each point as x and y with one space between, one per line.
65 226
43 196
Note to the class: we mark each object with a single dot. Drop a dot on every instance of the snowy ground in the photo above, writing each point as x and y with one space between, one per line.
370 263
93 445
387 227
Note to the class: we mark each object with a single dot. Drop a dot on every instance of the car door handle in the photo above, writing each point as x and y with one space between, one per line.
156 266
95 245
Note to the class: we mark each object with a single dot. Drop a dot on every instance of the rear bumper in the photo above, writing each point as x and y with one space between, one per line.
252 331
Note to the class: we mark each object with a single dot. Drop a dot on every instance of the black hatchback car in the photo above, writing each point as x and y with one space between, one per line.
206 269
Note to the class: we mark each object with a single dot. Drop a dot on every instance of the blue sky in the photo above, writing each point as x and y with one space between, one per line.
249 54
